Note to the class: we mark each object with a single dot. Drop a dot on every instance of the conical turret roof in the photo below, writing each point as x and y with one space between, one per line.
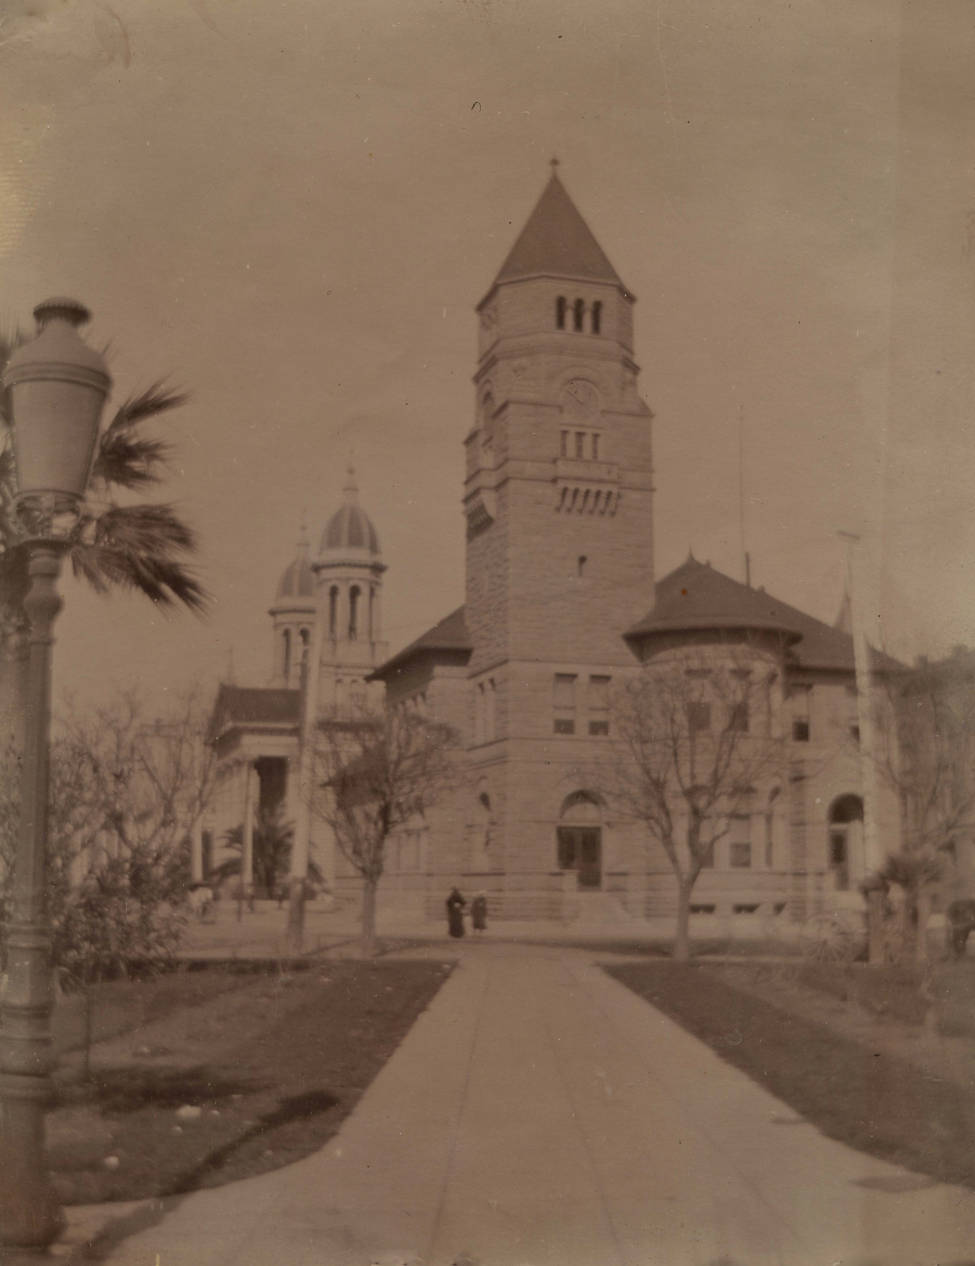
556 241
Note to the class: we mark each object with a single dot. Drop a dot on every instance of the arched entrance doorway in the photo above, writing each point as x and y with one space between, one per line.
580 838
845 840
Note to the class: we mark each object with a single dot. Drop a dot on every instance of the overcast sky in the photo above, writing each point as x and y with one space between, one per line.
290 208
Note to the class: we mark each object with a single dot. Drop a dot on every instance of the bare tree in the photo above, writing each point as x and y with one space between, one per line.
126 793
374 775
694 739
929 718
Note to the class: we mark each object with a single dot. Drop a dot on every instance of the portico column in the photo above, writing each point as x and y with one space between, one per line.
196 851
247 854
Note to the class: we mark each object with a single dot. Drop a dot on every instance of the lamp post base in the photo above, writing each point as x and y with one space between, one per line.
30 1212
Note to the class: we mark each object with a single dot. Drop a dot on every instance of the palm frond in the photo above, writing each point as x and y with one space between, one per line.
147 404
142 548
124 457
164 581
144 529
125 461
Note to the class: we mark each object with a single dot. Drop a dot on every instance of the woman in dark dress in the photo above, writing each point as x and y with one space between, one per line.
455 913
479 912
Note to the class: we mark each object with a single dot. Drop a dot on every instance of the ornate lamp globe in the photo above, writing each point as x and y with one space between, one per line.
57 386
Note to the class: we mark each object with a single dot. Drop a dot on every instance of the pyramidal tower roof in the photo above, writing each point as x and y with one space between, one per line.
557 242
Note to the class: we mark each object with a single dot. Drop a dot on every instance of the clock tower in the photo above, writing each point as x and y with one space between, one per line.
558 494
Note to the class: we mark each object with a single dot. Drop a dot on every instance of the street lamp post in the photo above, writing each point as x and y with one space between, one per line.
57 386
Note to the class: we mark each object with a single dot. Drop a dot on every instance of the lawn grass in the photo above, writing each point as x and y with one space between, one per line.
275 1063
858 1092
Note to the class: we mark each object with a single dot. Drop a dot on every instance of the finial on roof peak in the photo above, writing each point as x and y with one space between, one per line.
554 164
690 555
350 487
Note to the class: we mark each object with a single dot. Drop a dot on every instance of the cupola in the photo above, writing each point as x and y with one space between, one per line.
349 532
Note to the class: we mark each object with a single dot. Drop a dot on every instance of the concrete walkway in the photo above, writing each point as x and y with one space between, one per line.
540 1114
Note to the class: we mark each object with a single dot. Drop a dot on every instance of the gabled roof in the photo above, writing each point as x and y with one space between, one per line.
557 242
449 637
240 706
697 596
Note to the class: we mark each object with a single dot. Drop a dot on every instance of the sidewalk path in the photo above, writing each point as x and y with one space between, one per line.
540 1114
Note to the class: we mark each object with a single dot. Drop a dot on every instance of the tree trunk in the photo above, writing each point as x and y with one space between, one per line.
86 1033
921 932
369 887
682 940
295 935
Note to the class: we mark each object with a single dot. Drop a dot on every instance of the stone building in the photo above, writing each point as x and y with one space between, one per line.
561 606
326 637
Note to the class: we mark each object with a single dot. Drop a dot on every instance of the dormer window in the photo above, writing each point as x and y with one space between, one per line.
597 316
560 310
578 314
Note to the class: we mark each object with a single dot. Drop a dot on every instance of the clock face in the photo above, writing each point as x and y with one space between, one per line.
580 398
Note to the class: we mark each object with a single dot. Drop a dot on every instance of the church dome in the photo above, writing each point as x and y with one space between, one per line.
297 580
350 529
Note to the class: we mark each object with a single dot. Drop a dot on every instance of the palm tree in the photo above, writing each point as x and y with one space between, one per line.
144 547
273 837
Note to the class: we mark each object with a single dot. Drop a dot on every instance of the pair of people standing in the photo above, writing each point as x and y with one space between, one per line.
456 905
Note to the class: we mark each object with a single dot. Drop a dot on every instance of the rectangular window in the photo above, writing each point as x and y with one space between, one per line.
595 448
740 846
708 862
564 703
599 694
738 717
564 450
564 691
597 702
800 714
707 908
698 717
580 445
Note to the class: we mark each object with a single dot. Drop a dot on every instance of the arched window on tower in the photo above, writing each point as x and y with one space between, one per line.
354 593
286 654
304 637
597 316
578 314
372 613
560 307
487 418
333 611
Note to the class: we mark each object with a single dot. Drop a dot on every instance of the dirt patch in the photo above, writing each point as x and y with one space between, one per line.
874 1083
257 1074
